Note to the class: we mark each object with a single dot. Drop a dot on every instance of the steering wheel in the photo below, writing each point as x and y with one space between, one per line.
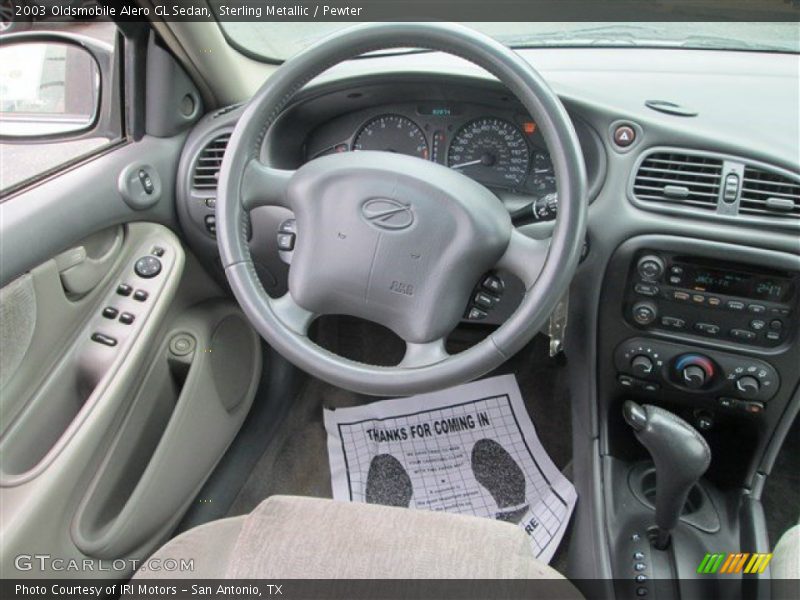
395 239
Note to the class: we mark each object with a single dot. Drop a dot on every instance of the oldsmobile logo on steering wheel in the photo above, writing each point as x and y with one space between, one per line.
385 213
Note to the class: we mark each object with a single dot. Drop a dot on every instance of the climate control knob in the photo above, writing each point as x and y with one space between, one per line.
642 365
694 370
748 386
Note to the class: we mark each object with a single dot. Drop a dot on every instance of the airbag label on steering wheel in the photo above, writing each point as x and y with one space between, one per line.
470 449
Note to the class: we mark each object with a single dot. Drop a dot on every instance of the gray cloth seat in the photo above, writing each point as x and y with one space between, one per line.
289 537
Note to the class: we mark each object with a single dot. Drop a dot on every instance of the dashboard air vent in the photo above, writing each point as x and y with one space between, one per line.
769 194
206 170
686 179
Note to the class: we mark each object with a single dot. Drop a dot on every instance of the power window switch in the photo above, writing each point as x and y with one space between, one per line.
484 300
109 312
126 318
102 338
140 295
493 283
123 289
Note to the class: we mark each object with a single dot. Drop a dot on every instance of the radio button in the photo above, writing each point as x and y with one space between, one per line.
757 324
714 301
735 305
743 334
650 267
707 328
681 296
646 289
673 322
776 324
698 298
674 279
757 309
773 336
676 270
644 313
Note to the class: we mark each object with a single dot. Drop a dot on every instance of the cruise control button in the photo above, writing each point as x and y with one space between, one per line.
476 314
493 284
484 300
102 338
286 242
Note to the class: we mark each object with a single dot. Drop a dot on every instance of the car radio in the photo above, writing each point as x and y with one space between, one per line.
726 301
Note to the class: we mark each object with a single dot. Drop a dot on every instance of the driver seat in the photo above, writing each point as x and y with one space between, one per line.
288 537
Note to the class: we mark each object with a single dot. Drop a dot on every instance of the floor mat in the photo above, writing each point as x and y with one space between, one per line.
470 449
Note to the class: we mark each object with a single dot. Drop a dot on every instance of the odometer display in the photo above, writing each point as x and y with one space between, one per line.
492 151
392 133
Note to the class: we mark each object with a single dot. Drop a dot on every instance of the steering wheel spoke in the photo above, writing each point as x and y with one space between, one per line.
265 186
291 314
424 354
525 257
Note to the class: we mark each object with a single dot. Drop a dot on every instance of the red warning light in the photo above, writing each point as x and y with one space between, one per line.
529 127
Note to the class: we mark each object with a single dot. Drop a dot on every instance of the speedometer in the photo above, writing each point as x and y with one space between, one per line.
492 151
392 133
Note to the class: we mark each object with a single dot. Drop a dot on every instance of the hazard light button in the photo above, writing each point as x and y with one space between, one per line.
624 136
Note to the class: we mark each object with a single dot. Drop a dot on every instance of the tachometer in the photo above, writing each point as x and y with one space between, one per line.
492 151
392 133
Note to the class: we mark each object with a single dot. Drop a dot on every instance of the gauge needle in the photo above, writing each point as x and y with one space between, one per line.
486 159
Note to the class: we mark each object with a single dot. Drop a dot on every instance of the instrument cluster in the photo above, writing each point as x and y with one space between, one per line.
502 150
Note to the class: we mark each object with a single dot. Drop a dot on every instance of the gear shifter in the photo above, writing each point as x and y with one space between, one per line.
680 454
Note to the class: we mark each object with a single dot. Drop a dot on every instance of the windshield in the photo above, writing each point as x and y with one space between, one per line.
278 41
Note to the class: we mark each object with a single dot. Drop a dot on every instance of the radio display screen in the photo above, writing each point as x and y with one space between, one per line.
735 283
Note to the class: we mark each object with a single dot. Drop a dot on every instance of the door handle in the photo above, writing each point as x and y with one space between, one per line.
80 273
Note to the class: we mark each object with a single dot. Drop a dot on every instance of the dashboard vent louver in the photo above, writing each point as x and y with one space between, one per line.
686 179
769 194
206 170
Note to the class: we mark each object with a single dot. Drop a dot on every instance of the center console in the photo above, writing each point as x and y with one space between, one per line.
709 332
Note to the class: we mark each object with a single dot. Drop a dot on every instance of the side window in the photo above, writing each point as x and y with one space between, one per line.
59 96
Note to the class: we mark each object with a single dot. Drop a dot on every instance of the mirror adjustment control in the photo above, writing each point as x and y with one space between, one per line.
147 267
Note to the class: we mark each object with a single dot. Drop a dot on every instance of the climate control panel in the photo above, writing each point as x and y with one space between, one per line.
668 369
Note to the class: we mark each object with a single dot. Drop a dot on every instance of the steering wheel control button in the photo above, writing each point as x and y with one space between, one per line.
288 226
182 344
493 283
147 267
140 295
644 313
126 318
286 242
211 224
102 338
109 312
476 314
624 136
650 267
123 289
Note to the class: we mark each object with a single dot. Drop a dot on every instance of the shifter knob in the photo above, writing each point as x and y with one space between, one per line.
681 455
